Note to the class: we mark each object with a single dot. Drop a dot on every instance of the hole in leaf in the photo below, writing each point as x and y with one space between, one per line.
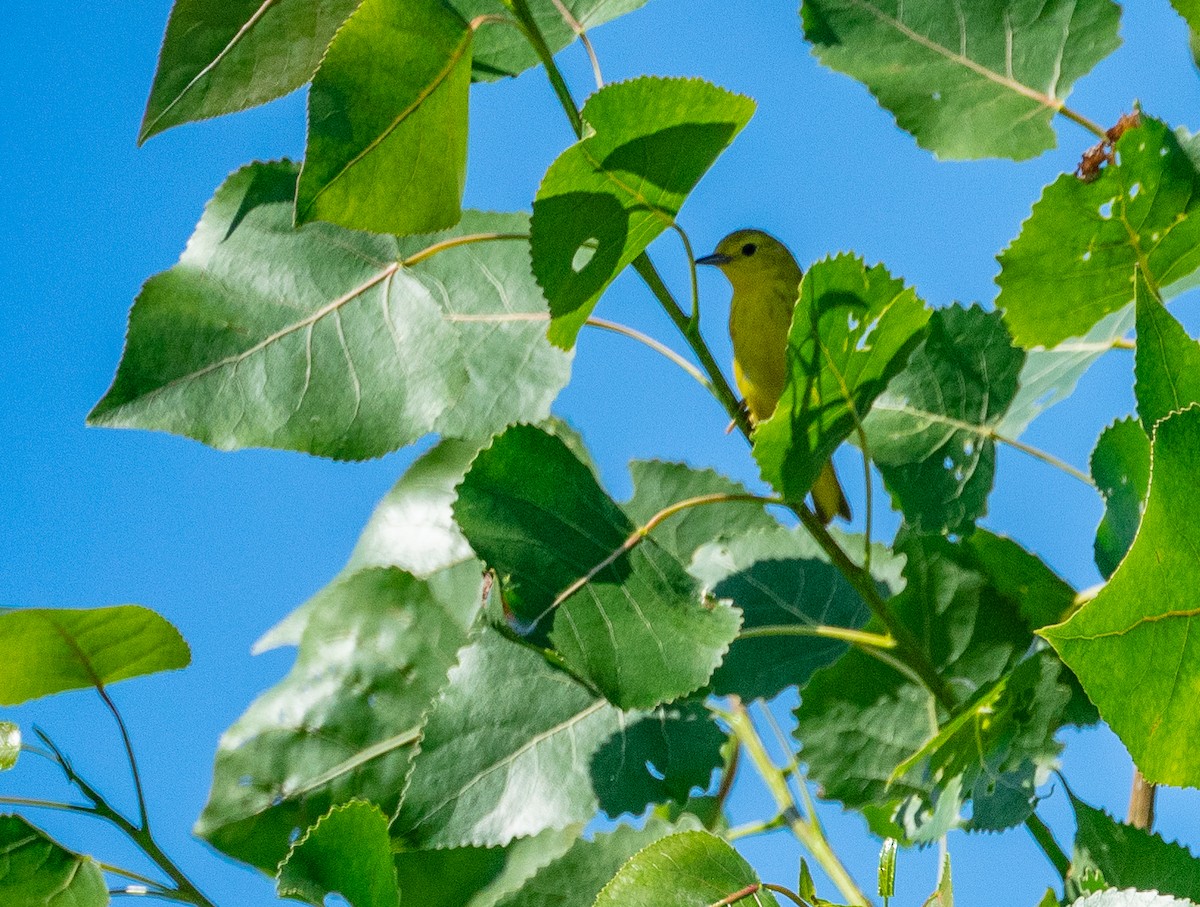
1087 256
948 463
294 836
1155 236
863 345
852 322
1162 152
937 96
245 781
969 448
1134 190
584 255
654 772
959 475
1106 210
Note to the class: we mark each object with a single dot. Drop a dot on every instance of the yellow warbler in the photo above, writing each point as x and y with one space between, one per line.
766 284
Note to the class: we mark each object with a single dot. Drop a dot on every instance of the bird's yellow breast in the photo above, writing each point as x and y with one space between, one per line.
760 316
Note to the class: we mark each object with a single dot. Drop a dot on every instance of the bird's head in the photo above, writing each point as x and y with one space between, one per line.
747 257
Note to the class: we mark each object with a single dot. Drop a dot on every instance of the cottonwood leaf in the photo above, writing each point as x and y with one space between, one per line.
689 869
1050 375
501 50
10 745
859 718
639 630
1167 362
1121 470
338 348
931 433
778 578
607 197
344 723
1074 260
37 871
853 332
220 58
1130 857
387 121
658 485
968 80
1114 898
575 878
1140 624
51 650
1190 11
478 876
347 852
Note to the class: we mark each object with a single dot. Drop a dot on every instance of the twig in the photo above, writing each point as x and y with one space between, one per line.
1141 802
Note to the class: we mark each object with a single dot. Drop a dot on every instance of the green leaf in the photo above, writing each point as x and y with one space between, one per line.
1050 375
51 650
1140 623
1074 261
223 57
575 878
658 758
778 578
931 432
1042 596
10 745
501 50
506 751
1130 857
608 196
853 332
1113 898
344 723
968 80
658 485
36 871
337 348
347 852
1167 361
1190 10
860 718
689 869
387 121
1121 470
639 629
478 876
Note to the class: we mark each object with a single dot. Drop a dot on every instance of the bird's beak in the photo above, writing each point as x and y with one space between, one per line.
715 259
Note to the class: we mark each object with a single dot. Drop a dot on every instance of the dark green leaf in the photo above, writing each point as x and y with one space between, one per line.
477 876
387 121
658 758
861 718
931 431
36 871
607 197
1121 470
1130 857
51 650
576 878
1074 261
1042 596
1190 10
506 751
223 57
968 80
336 348
10 745
639 630
1140 623
1167 361
657 485
344 723
778 578
853 332
347 852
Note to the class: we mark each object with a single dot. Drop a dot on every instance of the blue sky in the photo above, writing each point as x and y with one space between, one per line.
224 545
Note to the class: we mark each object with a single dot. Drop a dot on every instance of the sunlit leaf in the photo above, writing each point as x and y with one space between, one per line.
968 80
1190 10
347 852
345 722
639 629
853 332
1121 470
1140 624
1114 898
223 57
1075 258
1167 361
607 197
337 348
689 869
931 431
10 745
387 121
50 650
36 871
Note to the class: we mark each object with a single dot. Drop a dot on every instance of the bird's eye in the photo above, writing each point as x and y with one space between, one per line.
749 249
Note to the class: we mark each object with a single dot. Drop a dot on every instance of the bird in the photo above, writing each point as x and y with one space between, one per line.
766 286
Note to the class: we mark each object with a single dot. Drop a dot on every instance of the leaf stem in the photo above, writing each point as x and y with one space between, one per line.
806 832
1074 117
694 321
132 876
787 893
750 829
581 33
133 766
520 9
824 631
456 241
1050 847
48 804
